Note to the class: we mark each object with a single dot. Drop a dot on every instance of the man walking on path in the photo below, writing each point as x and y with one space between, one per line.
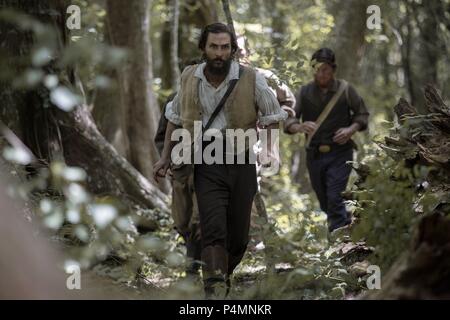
331 112
184 204
224 190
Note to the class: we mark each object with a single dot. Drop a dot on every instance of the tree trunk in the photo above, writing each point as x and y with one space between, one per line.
278 34
130 26
198 13
109 111
427 55
402 29
166 51
227 11
348 36
48 131
406 58
424 271
174 49
108 172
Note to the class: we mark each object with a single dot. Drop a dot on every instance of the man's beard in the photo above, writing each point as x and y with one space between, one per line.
218 70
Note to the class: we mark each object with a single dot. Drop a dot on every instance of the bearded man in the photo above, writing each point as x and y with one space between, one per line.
222 95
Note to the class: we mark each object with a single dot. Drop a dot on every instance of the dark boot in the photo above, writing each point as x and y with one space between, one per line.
215 266
193 253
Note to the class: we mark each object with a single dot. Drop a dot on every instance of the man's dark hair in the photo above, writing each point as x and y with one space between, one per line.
325 55
217 28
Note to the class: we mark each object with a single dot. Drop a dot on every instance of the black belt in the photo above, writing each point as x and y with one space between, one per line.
235 156
324 148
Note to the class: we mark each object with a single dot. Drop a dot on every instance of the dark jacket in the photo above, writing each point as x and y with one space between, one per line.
349 109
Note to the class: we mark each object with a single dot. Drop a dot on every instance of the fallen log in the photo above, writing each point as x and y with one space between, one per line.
423 271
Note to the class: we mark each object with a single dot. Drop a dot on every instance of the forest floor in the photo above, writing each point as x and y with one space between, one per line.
338 274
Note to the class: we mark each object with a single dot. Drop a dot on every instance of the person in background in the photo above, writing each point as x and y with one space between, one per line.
184 204
224 192
329 133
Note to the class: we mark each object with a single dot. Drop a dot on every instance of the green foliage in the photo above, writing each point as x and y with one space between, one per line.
45 68
290 61
96 232
296 260
385 207
100 233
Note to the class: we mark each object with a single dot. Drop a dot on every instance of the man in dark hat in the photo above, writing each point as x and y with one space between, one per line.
331 112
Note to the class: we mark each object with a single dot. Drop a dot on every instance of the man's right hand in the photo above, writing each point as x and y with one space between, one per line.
308 127
160 168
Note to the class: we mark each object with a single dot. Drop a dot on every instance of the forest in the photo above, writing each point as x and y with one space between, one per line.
83 84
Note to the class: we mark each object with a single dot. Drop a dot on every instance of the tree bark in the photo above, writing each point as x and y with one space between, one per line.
166 51
406 57
108 172
278 34
174 49
426 45
227 11
198 13
130 26
48 131
423 271
109 110
348 36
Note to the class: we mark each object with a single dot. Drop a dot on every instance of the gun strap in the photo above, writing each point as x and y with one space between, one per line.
326 112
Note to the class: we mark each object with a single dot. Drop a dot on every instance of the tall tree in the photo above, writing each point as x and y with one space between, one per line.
129 26
195 14
227 11
51 133
192 14
278 10
174 50
347 38
109 110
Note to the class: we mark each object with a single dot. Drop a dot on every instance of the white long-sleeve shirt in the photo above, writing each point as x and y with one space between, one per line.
269 110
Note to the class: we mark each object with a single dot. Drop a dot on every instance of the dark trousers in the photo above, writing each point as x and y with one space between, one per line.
225 194
329 175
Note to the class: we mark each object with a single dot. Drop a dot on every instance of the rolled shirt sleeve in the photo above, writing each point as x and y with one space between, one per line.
269 108
173 111
285 96
298 112
360 114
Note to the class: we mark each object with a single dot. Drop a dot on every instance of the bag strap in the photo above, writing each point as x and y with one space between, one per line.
221 104
325 113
